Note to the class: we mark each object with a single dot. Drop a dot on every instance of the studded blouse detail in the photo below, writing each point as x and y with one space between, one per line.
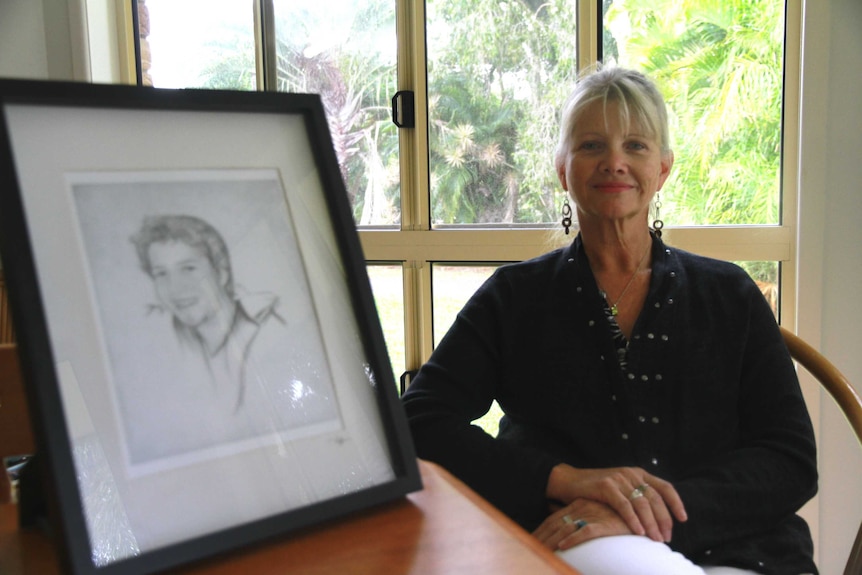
643 372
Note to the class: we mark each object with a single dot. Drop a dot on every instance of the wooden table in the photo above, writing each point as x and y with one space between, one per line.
444 529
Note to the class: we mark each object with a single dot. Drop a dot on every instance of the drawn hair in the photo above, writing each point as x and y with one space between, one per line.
190 230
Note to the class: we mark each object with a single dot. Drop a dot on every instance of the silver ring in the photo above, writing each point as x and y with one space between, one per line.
638 491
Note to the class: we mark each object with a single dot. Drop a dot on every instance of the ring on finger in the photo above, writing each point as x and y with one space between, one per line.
638 491
578 523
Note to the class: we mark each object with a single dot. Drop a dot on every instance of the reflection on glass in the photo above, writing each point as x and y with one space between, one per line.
497 72
720 68
387 286
346 52
452 286
766 275
198 44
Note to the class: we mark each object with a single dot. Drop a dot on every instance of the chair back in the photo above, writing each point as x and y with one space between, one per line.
848 400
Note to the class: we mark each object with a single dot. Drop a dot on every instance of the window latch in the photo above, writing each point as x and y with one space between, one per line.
406 378
403 111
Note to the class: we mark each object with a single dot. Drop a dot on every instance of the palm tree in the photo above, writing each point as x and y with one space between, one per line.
719 65
497 73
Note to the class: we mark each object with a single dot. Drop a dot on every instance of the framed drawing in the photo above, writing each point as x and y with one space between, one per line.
203 357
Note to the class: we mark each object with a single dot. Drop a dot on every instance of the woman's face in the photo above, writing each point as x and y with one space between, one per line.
612 171
186 282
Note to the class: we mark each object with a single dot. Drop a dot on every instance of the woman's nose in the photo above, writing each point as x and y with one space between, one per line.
613 161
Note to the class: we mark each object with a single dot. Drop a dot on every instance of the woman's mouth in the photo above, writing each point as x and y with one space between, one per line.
613 187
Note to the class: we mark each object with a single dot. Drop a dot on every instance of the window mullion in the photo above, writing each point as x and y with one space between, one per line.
589 12
415 195
418 324
790 176
412 75
265 46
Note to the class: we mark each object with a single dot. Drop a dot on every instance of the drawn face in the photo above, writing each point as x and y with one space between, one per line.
612 171
186 282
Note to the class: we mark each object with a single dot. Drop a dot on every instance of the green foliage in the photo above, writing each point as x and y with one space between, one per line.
355 82
340 57
719 65
498 70
718 62
230 65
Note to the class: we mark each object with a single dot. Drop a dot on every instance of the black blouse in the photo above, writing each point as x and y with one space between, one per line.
708 399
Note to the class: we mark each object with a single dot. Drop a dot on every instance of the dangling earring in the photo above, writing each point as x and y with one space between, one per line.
657 224
567 216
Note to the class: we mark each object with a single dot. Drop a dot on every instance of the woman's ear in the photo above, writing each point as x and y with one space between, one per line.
666 165
561 174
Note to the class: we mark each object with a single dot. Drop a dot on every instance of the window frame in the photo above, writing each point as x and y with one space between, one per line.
416 244
424 245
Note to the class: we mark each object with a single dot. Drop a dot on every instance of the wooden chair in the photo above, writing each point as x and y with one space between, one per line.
848 400
16 435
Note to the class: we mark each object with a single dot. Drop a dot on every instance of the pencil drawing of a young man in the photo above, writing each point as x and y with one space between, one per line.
242 370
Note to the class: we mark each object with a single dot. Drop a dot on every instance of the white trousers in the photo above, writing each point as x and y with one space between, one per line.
636 555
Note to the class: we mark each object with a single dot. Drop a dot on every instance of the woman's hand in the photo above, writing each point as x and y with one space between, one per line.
580 521
643 501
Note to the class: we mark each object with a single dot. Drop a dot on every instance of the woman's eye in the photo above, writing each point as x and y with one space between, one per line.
637 146
590 145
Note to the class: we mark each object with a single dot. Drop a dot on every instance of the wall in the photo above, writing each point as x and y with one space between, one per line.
830 269
23 53
50 39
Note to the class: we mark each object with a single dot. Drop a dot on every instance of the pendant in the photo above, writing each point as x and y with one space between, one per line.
614 310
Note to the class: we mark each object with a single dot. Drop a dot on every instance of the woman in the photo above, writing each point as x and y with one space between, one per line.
649 399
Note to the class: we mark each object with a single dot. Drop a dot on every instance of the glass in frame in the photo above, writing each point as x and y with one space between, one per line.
767 277
452 286
346 51
720 66
387 284
497 73
197 43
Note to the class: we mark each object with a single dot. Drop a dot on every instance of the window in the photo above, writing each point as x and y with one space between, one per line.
497 72
719 65
473 183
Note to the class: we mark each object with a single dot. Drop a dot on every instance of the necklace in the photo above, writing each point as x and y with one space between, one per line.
614 309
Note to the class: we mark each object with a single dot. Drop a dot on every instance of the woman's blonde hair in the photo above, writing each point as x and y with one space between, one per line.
639 102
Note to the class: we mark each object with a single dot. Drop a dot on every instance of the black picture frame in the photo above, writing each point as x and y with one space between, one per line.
81 166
